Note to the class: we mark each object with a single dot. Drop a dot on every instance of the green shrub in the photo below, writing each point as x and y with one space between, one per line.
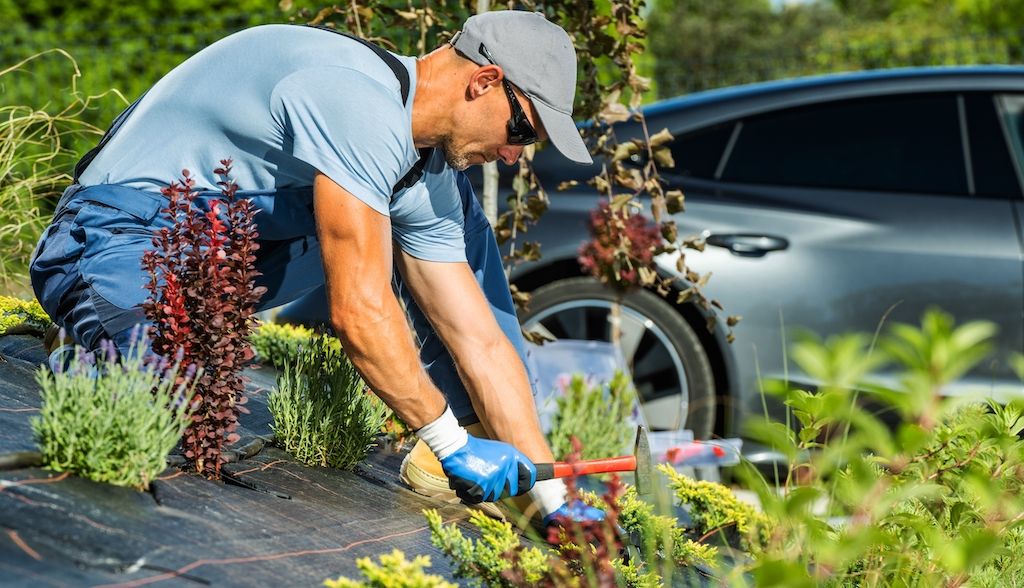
35 156
499 558
936 501
597 415
714 509
486 561
660 535
278 345
394 571
22 315
323 413
110 421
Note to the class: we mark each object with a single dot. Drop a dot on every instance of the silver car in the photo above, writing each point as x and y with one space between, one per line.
828 204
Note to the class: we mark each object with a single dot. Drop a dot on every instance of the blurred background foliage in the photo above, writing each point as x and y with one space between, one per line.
694 44
69 66
702 44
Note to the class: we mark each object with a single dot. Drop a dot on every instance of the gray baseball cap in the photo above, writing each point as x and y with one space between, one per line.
537 56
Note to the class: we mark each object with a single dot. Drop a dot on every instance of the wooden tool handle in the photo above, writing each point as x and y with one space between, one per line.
559 469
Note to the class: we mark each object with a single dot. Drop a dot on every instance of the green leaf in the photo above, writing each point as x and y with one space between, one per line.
775 435
800 500
778 572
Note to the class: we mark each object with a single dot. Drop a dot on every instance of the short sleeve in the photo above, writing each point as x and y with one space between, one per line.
350 127
428 219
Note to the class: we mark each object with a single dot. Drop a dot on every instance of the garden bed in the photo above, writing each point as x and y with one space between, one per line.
299 526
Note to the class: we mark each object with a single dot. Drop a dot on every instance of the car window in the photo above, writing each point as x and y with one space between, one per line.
1011 108
894 143
994 173
698 153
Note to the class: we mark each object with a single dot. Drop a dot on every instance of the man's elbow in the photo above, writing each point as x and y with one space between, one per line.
355 326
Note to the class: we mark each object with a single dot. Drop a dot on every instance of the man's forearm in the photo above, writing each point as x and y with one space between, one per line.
379 344
500 390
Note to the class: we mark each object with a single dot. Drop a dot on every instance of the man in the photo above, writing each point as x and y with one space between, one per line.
327 134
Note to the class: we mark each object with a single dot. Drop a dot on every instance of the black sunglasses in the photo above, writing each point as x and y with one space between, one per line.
520 131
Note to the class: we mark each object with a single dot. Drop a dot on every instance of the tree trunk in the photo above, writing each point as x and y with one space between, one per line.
489 198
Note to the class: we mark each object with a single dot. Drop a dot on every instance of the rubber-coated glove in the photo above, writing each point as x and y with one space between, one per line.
576 511
484 470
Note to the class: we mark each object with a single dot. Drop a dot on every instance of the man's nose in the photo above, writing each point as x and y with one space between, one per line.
510 153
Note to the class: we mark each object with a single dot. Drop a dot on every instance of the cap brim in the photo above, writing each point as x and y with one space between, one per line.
563 134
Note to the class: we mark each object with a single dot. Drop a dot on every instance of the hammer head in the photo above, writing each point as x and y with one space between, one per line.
644 467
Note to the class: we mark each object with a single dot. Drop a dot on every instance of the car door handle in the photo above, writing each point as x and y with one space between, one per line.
748 245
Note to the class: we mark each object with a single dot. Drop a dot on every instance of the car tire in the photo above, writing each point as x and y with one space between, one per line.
669 365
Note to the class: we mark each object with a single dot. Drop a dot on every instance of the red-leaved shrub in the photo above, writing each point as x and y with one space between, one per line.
585 548
202 303
589 547
621 249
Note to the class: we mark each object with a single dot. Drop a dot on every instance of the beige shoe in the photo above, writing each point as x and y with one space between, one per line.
52 339
422 472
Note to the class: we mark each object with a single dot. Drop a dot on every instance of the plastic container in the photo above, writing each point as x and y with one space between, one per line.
553 364
662 441
680 449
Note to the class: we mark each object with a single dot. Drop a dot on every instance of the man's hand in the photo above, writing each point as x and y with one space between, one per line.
577 512
485 471
478 469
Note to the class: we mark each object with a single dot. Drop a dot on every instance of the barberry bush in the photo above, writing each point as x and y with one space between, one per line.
202 304
111 419
324 414
621 252
621 249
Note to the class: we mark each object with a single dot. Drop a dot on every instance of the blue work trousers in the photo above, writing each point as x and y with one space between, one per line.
87 274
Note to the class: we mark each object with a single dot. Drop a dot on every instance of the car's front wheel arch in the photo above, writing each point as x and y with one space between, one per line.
671 368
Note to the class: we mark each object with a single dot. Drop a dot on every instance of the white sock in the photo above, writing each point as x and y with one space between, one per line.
548 495
444 436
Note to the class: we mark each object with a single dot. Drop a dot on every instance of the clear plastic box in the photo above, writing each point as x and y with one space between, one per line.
553 364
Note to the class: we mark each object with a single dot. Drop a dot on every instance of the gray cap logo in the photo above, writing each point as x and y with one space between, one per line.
537 56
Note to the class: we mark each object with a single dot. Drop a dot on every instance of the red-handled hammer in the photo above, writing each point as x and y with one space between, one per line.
639 463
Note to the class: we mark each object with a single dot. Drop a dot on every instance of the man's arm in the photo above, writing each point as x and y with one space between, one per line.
490 368
355 243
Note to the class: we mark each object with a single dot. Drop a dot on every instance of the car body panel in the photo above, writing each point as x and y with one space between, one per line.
852 258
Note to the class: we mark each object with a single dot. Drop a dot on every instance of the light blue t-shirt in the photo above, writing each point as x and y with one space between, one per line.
283 101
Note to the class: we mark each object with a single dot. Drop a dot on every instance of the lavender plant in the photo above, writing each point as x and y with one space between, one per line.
112 419
324 414
596 414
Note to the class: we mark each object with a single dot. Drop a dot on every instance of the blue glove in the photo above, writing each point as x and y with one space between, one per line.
485 470
577 511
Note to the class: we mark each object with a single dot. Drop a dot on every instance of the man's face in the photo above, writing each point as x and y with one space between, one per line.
482 134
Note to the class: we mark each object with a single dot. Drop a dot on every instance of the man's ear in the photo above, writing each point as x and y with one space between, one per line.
484 79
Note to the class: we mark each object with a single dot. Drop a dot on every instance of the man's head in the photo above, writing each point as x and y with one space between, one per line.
518 72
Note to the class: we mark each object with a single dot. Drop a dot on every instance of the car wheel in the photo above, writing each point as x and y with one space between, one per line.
669 366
